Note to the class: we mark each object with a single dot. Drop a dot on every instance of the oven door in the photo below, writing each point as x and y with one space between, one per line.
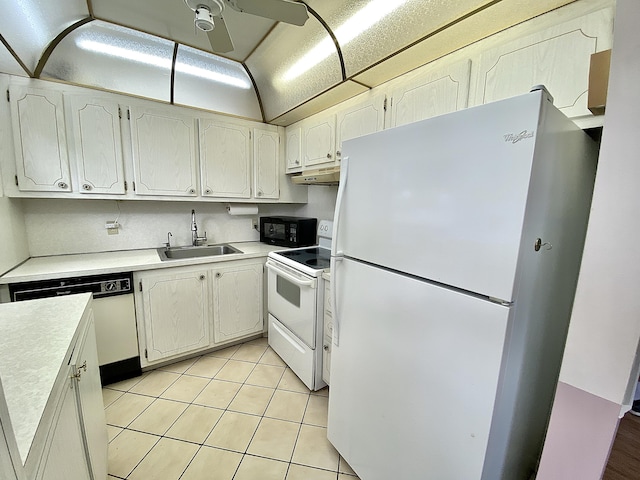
292 300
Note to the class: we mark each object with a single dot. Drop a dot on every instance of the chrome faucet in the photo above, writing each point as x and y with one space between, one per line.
195 239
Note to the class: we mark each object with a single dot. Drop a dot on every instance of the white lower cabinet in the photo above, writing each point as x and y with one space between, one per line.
237 301
175 312
65 456
184 310
76 445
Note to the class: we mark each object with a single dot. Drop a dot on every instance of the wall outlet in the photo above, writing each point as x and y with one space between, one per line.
113 227
254 223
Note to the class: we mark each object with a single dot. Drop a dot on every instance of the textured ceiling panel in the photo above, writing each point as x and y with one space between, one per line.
371 30
114 58
293 65
173 19
487 22
8 64
29 26
339 93
205 81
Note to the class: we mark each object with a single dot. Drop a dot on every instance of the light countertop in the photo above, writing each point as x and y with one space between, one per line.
37 340
60 266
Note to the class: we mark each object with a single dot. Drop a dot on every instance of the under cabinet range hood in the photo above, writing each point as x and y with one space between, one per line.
322 176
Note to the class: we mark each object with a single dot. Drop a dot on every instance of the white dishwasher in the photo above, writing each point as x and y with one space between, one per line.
114 312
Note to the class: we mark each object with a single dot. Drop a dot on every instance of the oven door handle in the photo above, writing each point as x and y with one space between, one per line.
291 278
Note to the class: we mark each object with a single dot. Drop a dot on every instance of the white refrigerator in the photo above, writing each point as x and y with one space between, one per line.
456 249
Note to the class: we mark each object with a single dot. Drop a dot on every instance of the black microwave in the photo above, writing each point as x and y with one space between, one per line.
288 231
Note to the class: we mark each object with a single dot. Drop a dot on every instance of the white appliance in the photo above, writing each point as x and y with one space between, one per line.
456 251
114 313
295 300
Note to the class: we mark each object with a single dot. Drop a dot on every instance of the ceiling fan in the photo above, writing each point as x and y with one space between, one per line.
208 16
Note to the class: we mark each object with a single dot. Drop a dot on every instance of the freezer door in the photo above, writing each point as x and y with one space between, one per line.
414 378
443 198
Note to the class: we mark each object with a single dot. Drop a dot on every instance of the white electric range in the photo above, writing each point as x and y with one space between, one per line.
295 302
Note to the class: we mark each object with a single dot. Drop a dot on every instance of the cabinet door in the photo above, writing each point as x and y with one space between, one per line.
319 142
176 313
266 163
95 127
361 119
164 155
237 301
225 160
557 58
293 149
84 364
65 456
40 142
431 92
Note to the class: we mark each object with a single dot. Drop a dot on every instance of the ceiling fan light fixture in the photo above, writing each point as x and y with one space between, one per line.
204 19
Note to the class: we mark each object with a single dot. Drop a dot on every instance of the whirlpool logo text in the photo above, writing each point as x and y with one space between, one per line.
516 137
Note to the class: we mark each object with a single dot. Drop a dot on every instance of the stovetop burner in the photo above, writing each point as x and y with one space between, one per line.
313 257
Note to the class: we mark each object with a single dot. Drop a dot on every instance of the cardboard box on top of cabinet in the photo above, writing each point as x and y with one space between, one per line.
598 81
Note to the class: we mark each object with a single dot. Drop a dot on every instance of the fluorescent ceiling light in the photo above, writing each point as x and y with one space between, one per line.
361 21
154 60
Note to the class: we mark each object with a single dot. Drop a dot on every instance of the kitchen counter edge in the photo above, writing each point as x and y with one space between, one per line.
81 264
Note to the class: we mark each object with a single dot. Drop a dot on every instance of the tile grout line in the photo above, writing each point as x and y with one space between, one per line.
226 409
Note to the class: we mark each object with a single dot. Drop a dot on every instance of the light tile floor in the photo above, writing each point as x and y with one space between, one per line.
235 414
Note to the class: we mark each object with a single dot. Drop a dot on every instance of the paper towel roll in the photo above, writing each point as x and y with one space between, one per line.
242 209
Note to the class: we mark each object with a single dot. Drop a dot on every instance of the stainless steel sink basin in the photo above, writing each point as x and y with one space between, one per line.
177 253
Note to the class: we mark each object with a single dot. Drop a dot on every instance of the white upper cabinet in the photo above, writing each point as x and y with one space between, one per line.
42 163
360 119
431 91
557 57
164 153
318 141
266 163
293 148
225 159
97 144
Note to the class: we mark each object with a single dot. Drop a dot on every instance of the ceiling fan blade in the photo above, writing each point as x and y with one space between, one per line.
219 37
286 11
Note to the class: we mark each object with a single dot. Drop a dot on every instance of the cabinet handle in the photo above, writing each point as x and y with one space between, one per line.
62 185
192 190
325 348
297 162
86 186
338 153
208 191
328 155
259 194
218 274
202 277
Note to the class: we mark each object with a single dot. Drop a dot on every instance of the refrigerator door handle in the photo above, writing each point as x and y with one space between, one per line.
333 288
344 173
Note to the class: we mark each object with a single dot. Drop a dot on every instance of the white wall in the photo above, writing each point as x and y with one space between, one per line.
13 245
56 227
322 203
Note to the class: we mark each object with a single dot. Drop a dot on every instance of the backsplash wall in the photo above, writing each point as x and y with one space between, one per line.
57 227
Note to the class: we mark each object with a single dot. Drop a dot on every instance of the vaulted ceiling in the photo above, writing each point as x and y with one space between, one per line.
276 72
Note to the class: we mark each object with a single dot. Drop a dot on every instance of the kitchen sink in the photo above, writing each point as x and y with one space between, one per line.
178 253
